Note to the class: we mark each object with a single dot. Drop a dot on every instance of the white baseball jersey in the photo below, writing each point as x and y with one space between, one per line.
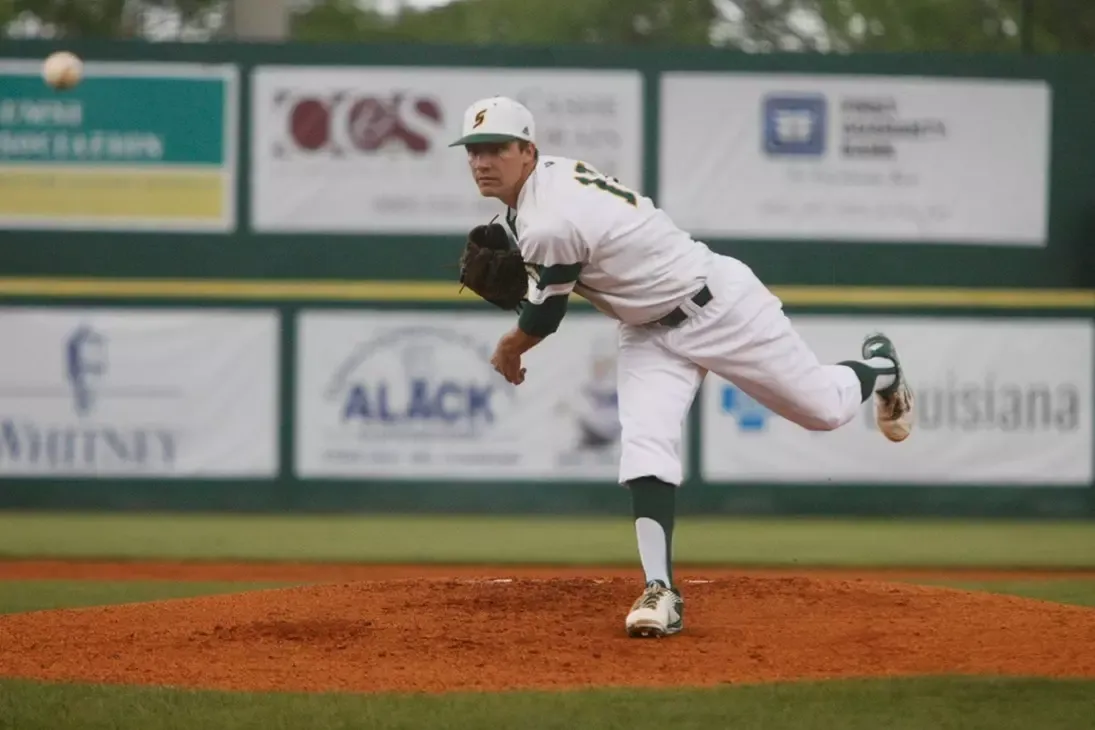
587 233
581 231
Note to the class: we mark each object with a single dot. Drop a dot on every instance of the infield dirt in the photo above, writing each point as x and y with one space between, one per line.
444 628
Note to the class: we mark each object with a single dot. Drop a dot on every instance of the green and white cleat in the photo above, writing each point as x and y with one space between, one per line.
657 613
893 405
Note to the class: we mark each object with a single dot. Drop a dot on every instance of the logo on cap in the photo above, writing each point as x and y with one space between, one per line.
480 117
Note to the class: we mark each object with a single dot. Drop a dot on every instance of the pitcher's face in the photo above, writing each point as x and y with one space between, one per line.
499 168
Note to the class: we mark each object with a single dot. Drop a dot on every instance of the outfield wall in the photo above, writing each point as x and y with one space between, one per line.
306 195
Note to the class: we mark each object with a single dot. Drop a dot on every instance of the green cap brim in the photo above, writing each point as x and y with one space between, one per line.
477 138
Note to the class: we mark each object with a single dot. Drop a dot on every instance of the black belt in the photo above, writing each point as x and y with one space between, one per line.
678 315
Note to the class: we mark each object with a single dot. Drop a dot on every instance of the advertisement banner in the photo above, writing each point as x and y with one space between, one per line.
135 146
998 402
413 395
856 158
365 149
138 393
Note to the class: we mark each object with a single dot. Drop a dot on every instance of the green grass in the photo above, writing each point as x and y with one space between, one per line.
911 704
1078 592
460 539
37 595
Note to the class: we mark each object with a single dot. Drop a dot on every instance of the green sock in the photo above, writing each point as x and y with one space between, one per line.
653 504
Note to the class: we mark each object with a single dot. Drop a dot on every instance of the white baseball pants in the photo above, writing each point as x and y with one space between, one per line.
742 335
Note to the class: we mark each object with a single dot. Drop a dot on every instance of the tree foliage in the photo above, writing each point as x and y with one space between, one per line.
748 25
958 25
100 18
335 21
755 26
615 22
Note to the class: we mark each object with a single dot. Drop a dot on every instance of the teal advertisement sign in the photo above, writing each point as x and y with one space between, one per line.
134 146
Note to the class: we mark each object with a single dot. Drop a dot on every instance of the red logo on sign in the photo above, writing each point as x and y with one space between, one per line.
343 122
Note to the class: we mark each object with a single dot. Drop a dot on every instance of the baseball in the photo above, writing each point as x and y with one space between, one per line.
62 70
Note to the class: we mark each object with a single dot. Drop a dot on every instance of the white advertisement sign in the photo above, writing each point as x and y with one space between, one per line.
997 402
365 149
138 393
413 394
878 158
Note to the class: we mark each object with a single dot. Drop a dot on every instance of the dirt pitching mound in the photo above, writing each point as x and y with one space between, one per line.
508 633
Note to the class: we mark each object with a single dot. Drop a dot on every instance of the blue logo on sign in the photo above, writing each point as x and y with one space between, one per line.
49 442
795 124
418 382
448 401
750 415
85 365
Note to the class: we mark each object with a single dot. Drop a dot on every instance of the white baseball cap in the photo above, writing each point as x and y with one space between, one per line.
497 119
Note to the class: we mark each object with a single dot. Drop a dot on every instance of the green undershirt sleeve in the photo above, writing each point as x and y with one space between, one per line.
547 301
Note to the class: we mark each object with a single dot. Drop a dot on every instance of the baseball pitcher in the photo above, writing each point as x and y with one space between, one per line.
683 311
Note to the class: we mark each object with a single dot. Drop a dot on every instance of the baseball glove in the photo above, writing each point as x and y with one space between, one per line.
491 268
